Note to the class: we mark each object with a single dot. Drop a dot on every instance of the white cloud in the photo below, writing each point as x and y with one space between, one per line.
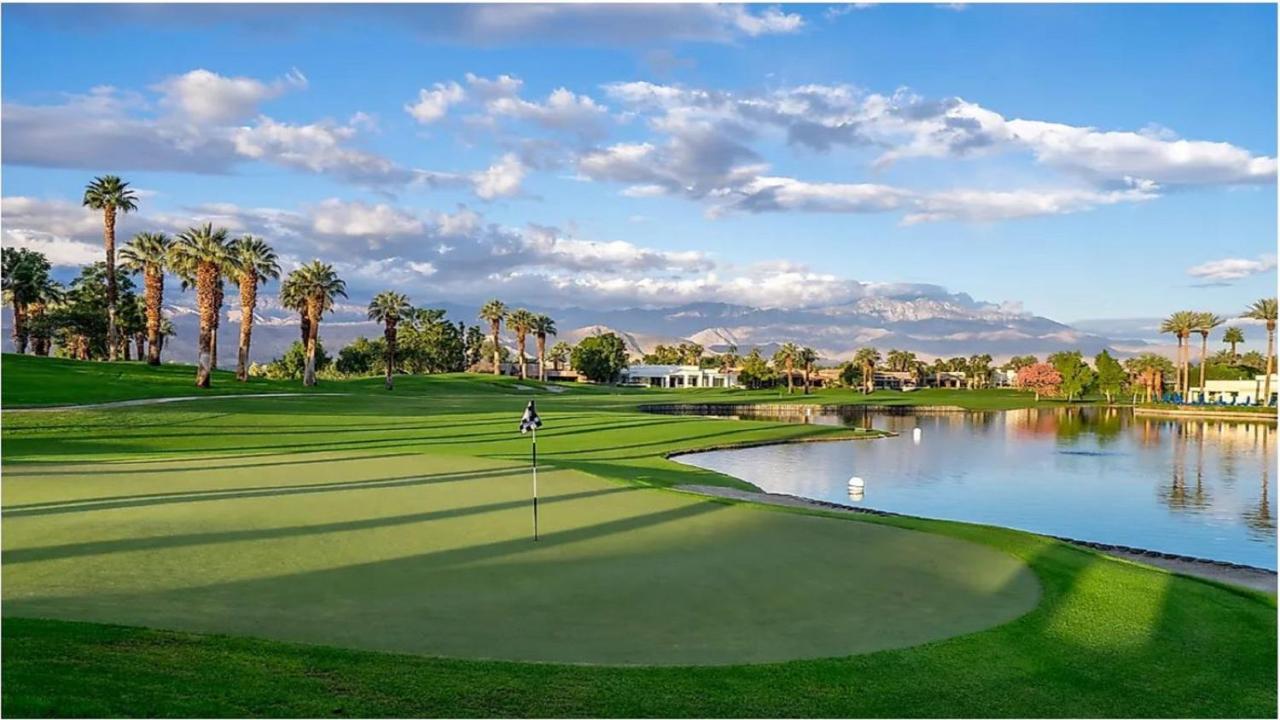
1230 269
336 217
204 96
502 179
989 206
61 251
434 104
316 147
563 110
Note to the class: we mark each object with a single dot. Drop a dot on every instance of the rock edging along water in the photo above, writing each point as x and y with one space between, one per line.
1219 570
1198 414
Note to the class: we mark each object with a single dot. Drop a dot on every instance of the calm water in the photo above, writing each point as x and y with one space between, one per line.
1194 487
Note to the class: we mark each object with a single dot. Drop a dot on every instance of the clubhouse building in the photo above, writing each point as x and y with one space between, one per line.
678 376
1236 392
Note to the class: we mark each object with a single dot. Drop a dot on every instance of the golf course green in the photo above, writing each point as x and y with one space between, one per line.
370 553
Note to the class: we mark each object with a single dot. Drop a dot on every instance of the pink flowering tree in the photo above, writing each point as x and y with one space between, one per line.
1041 378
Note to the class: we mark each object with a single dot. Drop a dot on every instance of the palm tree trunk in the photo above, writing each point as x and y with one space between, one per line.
248 302
520 353
19 328
217 321
1271 362
109 245
140 344
304 325
496 328
206 279
789 367
390 335
1204 353
154 281
542 357
313 336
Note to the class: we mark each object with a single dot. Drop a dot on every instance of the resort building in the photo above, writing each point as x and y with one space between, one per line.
1236 392
678 376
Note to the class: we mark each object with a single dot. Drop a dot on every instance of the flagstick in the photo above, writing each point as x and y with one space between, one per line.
535 484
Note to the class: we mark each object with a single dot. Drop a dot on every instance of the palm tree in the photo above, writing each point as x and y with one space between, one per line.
521 322
387 308
1205 323
807 357
48 292
787 356
110 194
1181 324
1265 310
253 262
200 256
494 312
167 330
867 358
26 280
319 285
1233 336
729 358
148 253
542 327
559 354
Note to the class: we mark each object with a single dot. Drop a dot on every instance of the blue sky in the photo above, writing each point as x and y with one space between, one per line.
1084 161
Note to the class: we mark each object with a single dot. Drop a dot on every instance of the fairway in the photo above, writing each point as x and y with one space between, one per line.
369 553
409 552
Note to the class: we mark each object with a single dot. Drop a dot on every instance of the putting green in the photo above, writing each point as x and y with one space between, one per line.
432 555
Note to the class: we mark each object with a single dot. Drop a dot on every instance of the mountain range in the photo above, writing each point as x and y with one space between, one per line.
928 326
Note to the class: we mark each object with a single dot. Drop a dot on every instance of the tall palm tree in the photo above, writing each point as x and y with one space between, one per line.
494 312
867 358
1204 324
320 285
253 262
200 256
521 323
388 308
148 253
807 357
110 194
1233 336
1180 324
1265 310
542 327
787 356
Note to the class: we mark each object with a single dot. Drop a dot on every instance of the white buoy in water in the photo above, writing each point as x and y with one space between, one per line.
915 436
856 489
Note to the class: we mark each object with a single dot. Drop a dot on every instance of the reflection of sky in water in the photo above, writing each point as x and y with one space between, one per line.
1194 487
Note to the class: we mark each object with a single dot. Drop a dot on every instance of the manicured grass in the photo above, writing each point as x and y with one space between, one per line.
216 523
30 381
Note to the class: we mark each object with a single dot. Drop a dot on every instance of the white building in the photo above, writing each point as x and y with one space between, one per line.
1236 392
678 376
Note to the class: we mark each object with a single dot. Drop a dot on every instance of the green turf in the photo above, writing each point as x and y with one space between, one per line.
1107 638
433 555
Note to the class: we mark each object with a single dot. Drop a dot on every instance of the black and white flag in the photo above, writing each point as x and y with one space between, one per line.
530 421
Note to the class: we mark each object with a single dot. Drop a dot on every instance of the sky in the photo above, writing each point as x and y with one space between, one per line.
1077 162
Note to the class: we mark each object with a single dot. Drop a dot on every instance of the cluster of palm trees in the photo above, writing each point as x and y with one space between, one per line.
788 356
523 323
1185 323
204 257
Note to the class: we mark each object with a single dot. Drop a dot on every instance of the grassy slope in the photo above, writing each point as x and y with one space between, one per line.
1109 638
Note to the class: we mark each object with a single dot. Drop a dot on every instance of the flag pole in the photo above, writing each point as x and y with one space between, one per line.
535 484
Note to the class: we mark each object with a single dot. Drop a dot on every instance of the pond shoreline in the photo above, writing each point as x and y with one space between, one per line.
1194 414
1217 570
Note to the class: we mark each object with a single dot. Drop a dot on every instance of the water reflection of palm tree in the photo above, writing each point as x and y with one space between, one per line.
1260 518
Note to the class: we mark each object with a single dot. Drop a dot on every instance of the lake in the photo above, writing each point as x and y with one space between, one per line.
1193 487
